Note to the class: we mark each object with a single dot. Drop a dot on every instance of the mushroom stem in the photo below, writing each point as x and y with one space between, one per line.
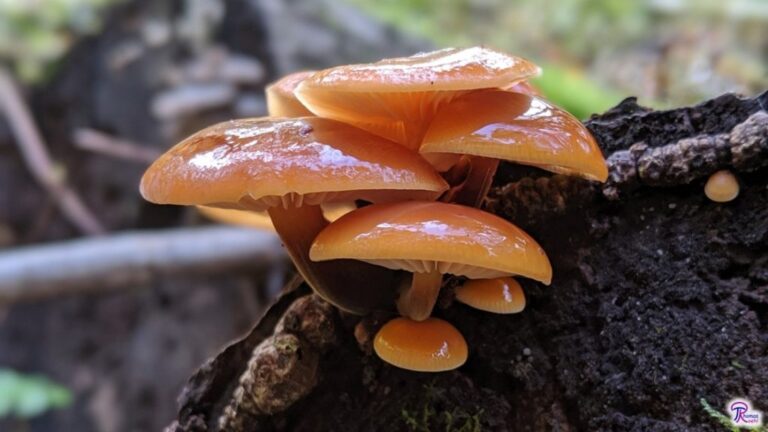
297 228
417 300
351 285
477 183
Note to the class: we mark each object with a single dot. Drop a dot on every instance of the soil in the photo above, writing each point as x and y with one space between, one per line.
659 301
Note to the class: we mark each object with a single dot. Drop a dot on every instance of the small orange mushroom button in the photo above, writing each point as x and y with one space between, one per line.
501 295
432 345
722 186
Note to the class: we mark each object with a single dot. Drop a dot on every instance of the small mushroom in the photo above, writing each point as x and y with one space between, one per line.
430 239
432 345
722 186
281 102
500 295
289 167
396 98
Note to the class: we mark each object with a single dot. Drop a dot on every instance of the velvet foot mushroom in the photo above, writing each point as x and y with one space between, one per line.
397 98
430 239
289 167
493 125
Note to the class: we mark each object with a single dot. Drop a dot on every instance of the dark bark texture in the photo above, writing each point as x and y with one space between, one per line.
659 302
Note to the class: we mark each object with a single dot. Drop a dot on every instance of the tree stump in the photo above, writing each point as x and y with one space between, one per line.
659 305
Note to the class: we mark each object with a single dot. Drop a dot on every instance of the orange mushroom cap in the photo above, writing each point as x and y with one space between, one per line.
281 102
396 98
514 127
422 237
432 345
500 295
722 187
259 163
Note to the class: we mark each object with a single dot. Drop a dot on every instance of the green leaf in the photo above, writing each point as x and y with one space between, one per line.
574 92
27 396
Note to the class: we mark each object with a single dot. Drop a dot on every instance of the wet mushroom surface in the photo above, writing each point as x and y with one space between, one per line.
289 167
397 98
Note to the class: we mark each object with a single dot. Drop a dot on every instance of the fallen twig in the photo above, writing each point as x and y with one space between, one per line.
39 161
133 258
99 142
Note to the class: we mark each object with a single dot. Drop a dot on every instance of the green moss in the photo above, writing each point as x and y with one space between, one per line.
429 415
723 419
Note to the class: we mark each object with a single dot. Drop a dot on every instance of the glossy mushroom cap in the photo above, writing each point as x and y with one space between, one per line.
514 127
500 295
281 102
432 345
722 186
396 98
423 237
259 163
262 220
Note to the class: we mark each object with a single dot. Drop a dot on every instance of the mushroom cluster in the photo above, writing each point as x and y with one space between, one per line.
414 142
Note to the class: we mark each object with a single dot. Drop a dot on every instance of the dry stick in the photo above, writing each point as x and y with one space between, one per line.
133 258
37 159
99 142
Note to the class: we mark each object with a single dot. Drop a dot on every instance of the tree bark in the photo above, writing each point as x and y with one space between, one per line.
659 302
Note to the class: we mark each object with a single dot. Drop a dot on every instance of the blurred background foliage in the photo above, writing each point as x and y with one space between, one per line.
594 52
35 34
26 396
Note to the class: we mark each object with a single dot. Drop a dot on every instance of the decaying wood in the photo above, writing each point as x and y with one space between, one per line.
132 258
536 388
